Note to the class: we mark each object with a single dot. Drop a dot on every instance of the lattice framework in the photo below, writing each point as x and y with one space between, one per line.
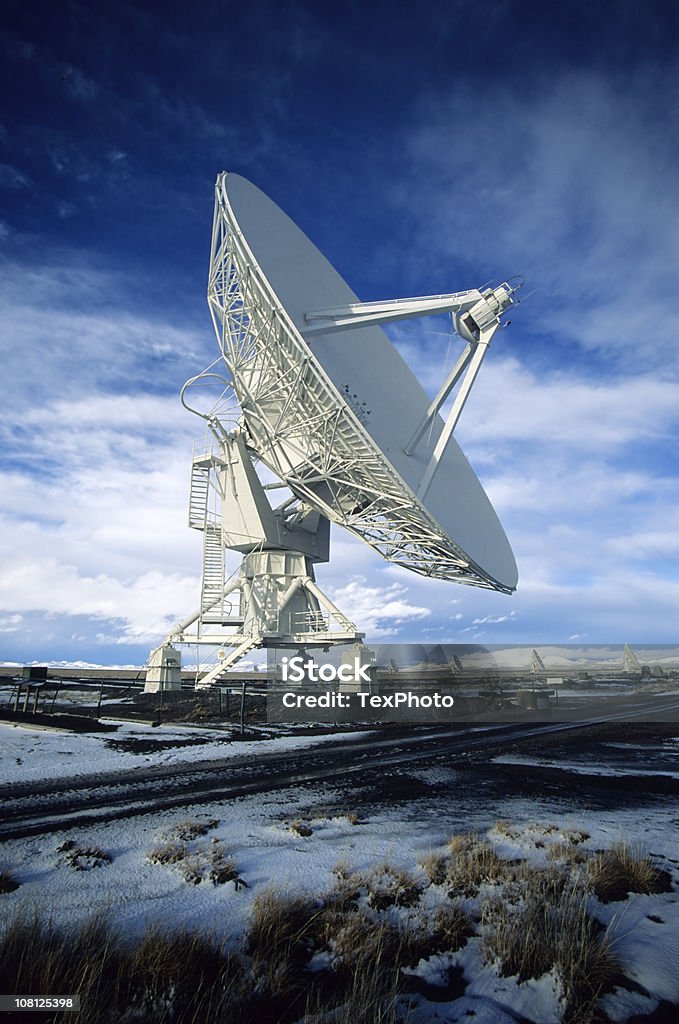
305 430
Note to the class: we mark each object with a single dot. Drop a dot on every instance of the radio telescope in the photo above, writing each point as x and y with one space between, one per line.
309 398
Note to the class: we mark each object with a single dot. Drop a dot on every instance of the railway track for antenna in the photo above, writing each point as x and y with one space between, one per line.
58 805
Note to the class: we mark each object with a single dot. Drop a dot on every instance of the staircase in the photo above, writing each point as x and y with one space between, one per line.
200 485
213 574
214 608
244 644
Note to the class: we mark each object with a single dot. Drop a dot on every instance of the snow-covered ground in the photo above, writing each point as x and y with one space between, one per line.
29 754
256 832
586 767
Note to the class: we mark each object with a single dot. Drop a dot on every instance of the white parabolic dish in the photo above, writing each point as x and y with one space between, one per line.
332 415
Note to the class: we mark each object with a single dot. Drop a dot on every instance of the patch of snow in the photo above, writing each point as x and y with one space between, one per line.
583 768
537 999
465 1010
648 950
31 754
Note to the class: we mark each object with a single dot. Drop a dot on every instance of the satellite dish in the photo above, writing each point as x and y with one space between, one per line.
328 405
358 381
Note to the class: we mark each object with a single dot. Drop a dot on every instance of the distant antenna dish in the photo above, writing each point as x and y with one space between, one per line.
537 665
630 662
328 405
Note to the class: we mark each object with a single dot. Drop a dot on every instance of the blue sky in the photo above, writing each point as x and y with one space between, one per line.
425 148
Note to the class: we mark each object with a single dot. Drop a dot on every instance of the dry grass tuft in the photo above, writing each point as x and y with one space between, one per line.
166 978
451 927
281 938
566 853
389 886
435 867
462 842
191 828
342 870
300 829
35 957
588 968
618 871
285 933
282 926
347 890
193 869
199 863
84 858
186 973
547 927
223 868
474 861
167 853
546 885
356 940
444 931
366 988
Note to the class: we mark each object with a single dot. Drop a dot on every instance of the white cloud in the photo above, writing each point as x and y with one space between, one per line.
510 403
575 407
377 610
12 178
143 608
73 330
649 544
94 480
10 623
580 193
494 619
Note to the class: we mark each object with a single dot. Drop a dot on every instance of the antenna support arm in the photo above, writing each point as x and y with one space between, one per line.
471 360
477 326
476 317
483 308
361 314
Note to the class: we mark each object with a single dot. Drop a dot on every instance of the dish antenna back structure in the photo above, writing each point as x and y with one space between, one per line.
311 391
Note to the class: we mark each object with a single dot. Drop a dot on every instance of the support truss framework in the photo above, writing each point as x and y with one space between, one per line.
302 427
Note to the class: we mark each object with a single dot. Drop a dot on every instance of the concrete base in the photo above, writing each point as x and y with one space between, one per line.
165 670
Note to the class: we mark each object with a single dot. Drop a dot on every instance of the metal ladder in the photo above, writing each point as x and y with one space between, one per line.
212 585
200 486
